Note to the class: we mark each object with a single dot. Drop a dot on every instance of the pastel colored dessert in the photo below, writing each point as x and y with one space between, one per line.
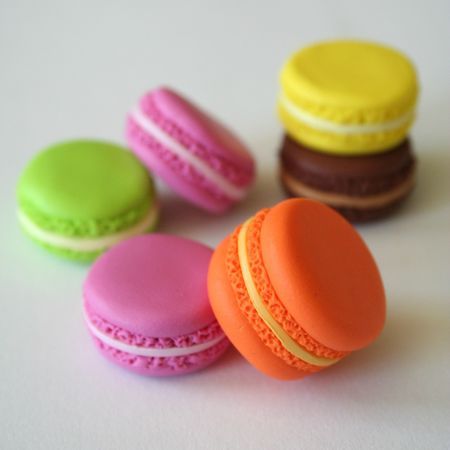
348 97
295 289
79 198
193 153
363 188
146 306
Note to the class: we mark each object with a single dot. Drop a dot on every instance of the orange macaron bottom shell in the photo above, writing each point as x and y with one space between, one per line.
268 293
236 326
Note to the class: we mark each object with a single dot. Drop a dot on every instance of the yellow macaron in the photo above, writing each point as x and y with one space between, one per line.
348 97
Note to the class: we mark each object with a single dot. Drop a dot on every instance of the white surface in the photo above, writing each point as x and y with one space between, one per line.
74 71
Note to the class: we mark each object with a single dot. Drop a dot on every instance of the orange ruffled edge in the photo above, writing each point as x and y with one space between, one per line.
271 301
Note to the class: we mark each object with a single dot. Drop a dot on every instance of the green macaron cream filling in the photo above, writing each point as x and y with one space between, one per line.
85 190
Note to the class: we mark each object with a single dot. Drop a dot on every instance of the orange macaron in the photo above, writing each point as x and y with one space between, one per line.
296 289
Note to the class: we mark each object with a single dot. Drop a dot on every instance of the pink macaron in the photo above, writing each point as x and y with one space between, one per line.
193 153
146 306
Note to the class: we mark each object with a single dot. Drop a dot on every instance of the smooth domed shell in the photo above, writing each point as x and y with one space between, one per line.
350 74
153 285
324 274
82 180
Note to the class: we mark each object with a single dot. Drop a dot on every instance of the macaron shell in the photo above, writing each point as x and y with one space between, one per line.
304 162
356 215
361 188
235 325
348 97
193 153
153 285
324 274
346 79
83 180
202 127
175 173
152 367
358 209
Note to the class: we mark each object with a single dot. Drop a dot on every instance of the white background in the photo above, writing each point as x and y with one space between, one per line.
73 70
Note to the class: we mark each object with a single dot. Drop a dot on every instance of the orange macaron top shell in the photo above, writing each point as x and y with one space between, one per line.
271 286
324 273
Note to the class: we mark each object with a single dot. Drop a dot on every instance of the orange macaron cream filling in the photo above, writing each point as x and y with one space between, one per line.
262 307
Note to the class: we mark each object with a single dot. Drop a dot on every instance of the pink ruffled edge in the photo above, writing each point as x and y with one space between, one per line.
138 139
162 365
238 175
117 333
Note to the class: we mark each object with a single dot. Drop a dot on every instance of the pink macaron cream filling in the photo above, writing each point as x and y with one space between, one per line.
146 306
191 151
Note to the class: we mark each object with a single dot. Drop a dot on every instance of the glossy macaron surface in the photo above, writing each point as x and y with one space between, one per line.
153 289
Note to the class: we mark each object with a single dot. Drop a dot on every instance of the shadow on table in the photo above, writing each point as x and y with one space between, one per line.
407 335
407 338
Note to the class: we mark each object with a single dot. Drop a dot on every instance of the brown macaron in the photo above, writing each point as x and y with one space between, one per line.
362 188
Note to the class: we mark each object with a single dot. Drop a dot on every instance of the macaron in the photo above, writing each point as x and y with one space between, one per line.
348 97
146 306
361 188
296 289
192 152
79 198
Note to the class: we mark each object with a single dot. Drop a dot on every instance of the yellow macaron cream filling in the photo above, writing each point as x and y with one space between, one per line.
286 341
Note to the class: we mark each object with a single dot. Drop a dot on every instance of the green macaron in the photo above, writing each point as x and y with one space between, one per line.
79 198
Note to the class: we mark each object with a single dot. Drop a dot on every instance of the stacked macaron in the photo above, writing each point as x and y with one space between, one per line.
347 107
294 288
